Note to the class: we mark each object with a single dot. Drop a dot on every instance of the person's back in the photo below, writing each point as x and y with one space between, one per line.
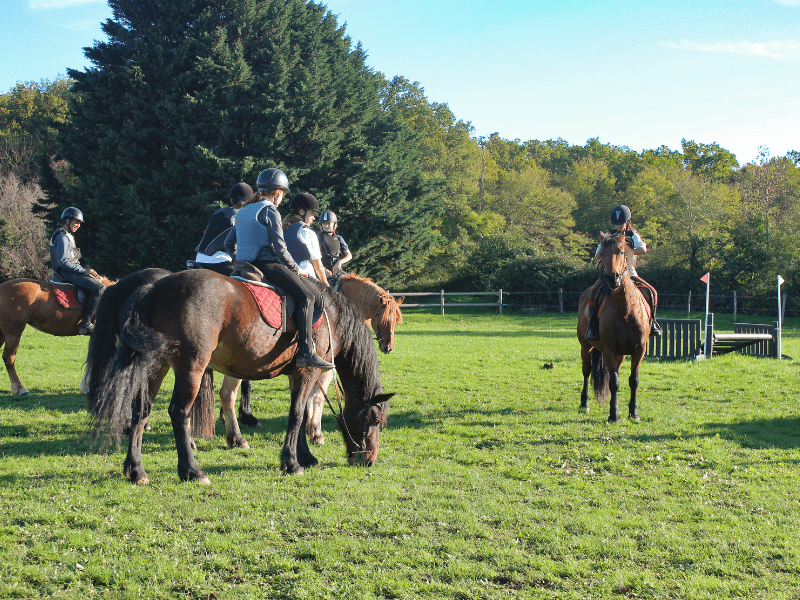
210 251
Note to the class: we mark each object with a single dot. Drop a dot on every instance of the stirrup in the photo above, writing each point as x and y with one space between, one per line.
591 335
86 329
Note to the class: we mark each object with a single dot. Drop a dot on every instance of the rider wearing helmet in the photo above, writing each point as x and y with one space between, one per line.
257 238
65 261
301 241
621 223
335 251
211 249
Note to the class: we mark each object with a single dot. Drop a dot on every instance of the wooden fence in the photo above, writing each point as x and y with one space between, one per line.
680 339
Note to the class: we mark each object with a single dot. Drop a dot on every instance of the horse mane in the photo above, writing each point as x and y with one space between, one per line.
357 349
371 294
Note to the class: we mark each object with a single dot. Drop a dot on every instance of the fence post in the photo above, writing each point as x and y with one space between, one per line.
501 302
734 306
776 338
709 343
689 311
441 301
561 300
783 309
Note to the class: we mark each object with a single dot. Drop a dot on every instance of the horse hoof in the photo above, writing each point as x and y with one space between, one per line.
634 417
292 470
204 481
23 392
142 481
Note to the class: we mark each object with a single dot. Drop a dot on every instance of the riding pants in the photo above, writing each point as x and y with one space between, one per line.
91 285
306 297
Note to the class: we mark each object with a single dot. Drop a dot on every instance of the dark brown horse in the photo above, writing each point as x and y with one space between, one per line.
624 328
32 302
197 319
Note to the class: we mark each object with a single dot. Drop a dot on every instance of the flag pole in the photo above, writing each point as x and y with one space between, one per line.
779 333
709 323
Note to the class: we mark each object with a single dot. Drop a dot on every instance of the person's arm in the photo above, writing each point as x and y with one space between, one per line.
273 223
319 270
230 243
639 247
348 256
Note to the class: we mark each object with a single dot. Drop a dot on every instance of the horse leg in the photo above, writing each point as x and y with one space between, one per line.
10 340
187 384
295 454
227 398
246 416
633 380
586 358
315 408
132 467
613 363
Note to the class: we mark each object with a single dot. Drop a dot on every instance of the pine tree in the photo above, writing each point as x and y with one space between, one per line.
188 97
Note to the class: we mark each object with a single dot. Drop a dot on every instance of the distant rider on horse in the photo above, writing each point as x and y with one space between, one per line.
257 238
621 223
211 249
301 241
335 251
65 261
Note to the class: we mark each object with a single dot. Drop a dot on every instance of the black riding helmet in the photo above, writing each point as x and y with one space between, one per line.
272 179
620 214
328 217
304 200
241 192
72 213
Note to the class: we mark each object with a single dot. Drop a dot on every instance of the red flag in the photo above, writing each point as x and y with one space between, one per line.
705 277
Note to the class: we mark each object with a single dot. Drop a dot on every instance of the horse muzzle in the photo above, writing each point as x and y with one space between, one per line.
614 280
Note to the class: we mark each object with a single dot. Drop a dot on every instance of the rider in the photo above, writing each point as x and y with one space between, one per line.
301 241
621 223
257 238
65 260
211 249
335 251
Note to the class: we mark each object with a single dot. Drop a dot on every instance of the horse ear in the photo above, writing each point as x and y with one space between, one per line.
380 398
400 299
602 237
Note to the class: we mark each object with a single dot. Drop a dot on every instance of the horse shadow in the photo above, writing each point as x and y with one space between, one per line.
66 403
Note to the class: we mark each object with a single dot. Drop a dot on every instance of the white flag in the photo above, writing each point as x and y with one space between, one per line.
780 280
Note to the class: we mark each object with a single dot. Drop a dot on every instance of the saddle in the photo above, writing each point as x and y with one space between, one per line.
68 294
273 302
648 293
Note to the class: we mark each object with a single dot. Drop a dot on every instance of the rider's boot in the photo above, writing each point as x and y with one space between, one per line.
593 326
307 357
87 323
655 328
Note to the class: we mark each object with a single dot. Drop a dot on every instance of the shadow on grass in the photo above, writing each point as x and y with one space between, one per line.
529 333
780 432
64 403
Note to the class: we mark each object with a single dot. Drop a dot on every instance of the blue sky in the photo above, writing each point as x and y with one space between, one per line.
634 73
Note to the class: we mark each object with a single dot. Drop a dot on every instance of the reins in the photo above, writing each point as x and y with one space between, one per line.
339 417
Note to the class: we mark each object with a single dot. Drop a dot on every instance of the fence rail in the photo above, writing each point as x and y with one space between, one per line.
734 303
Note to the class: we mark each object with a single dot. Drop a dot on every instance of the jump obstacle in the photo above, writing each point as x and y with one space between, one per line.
681 339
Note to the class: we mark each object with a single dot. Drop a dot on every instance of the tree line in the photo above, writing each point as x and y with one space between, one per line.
186 98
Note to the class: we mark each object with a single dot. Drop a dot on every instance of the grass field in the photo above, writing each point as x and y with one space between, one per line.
490 483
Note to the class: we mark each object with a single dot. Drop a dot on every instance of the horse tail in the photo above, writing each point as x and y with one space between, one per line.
599 376
125 390
204 419
109 319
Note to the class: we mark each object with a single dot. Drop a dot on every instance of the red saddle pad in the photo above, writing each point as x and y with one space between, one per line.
67 295
269 303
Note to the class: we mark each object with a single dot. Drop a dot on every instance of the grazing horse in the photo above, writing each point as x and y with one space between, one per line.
624 328
378 308
196 319
32 302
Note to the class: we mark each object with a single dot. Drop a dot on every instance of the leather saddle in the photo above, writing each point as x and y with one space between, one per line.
80 293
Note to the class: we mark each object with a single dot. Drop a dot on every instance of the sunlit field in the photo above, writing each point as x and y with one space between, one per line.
489 484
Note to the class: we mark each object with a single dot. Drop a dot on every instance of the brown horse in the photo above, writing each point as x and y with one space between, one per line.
379 309
624 328
196 319
32 302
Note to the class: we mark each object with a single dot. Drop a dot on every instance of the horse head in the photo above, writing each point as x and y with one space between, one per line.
613 258
361 429
387 317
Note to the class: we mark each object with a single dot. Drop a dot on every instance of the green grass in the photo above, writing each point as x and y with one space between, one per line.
490 483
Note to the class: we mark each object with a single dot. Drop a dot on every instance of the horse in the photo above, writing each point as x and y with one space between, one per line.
198 319
32 302
379 309
624 328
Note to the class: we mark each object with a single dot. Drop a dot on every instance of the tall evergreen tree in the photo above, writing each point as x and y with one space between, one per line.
188 97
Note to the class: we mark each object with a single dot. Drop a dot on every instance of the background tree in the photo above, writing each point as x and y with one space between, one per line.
187 97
